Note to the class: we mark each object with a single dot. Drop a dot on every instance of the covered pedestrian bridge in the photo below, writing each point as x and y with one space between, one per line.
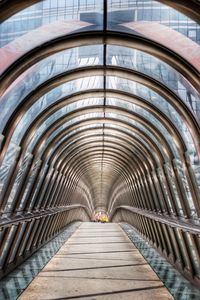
100 113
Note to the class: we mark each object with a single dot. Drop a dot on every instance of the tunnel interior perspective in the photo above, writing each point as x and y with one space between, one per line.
100 115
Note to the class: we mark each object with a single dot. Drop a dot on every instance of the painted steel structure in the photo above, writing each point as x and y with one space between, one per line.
100 111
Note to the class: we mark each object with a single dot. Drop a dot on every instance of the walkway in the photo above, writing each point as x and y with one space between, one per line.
97 262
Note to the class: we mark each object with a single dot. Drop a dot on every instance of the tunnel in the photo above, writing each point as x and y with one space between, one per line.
100 114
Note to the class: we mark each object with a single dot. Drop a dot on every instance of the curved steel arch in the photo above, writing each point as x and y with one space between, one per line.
122 96
153 84
86 163
97 156
22 155
89 147
63 146
86 166
99 151
127 113
78 161
100 157
147 142
116 122
147 45
151 127
104 147
2 152
162 200
81 164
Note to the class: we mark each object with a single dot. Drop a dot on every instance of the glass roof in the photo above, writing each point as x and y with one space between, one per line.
78 57
47 12
97 82
91 11
124 11
155 68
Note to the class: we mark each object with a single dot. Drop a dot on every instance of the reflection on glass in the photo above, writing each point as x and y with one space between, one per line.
178 286
140 127
15 282
145 114
48 11
29 183
67 136
154 98
185 186
42 175
62 112
46 69
8 164
170 175
154 67
53 96
165 190
123 11
18 180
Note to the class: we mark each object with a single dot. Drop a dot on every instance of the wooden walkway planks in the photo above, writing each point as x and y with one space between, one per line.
97 262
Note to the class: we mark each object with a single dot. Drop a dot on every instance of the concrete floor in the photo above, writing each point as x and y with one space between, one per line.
97 262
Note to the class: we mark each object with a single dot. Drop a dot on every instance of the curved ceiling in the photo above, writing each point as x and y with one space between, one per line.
100 108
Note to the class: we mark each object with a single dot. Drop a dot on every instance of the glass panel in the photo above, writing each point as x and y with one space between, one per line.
64 90
178 286
41 178
185 185
125 11
42 71
18 180
7 244
8 164
155 99
48 11
29 184
170 175
195 163
152 66
16 245
144 113
195 258
142 141
139 126
1 140
66 136
62 112
165 190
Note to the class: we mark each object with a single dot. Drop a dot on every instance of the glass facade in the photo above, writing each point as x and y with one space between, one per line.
50 11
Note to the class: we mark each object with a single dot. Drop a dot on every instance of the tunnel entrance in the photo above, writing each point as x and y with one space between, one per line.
100 216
